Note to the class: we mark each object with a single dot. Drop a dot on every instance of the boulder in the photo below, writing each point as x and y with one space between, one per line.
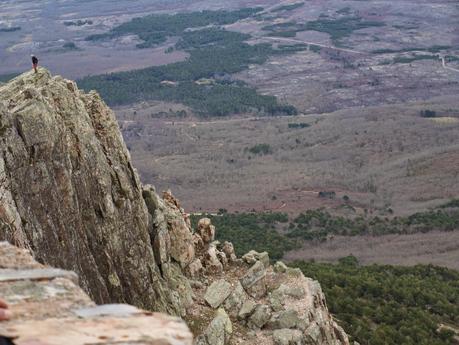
195 269
297 292
198 243
228 249
206 230
246 310
260 316
222 258
277 301
211 261
254 281
294 272
252 256
234 302
280 267
313 334
219 330
217 293
284 319
288 337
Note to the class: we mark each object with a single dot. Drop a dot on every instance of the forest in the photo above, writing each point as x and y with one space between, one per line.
277 232
390 305
214 53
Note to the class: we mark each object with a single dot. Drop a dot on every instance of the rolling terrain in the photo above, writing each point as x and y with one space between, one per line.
373 87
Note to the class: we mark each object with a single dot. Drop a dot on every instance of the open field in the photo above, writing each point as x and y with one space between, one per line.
437 248
380 157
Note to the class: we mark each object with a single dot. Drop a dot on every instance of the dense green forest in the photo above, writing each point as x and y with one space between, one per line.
214 53
288 7
337 28
318 224
389 305
156 28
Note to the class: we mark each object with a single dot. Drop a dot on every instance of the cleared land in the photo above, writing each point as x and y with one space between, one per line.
437 248
379 157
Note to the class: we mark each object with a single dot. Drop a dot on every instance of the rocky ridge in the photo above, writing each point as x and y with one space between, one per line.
69 193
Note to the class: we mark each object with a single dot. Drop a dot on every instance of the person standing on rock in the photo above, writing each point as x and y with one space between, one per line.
34 63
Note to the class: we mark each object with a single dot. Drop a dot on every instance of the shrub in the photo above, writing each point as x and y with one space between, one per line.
428 113
261 149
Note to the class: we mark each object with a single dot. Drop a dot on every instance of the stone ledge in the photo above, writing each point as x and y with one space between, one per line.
49 308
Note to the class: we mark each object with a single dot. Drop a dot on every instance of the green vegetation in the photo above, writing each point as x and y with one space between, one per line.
318 224
251 231
10 29
337 28
7 77
70 46
288 7
432 49
155 29
299 125
451 58
454 203
428 113
387 305
79 22
215 54
260 149
208 37
415 57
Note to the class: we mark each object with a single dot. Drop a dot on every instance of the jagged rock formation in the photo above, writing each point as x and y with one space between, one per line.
70 194
49 308
251 302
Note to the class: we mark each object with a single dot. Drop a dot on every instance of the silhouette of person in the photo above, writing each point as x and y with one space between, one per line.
34 63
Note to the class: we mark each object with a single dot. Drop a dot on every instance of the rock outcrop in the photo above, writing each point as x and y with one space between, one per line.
48 307
69 193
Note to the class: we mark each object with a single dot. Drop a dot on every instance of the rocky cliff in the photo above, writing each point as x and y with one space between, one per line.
69 193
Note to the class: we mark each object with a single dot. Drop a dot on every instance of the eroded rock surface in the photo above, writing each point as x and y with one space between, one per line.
54 310
69 193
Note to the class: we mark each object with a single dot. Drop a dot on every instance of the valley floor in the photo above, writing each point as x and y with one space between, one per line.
437 248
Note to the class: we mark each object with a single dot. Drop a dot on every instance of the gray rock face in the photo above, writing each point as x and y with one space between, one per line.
246 310
69 193
253 256
234 302
254 281
219 330
260 316
284 319
288 337
217 292
280 267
